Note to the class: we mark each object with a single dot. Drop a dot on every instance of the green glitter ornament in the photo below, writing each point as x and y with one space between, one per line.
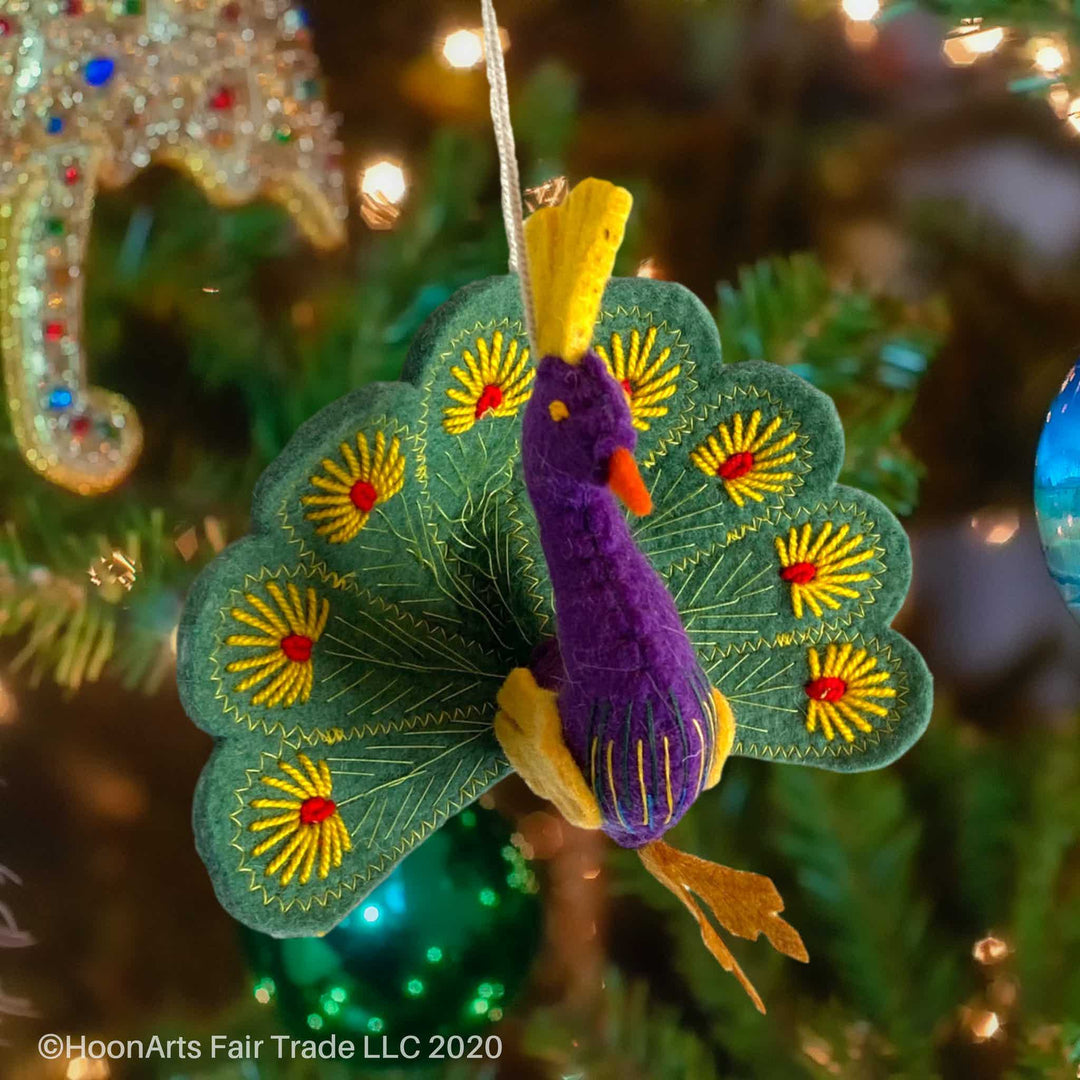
441 947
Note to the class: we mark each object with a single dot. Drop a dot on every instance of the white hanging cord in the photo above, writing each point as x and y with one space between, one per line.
509 179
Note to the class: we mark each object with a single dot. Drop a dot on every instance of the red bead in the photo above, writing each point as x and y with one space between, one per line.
71 175
826 688
73 7
80 426
315 810
223 98
737 465
491 397
364 496
231 11
5 27
54 331
297 648
800 573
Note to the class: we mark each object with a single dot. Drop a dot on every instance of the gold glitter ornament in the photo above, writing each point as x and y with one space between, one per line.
94 91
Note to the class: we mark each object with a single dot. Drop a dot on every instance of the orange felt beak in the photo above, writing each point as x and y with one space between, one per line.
625 481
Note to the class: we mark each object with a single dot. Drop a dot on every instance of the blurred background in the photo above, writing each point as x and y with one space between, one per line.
887 201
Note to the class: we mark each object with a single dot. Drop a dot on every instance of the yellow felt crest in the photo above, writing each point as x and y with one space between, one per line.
571 250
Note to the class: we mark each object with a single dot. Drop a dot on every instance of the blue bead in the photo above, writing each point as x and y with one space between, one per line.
100 70
60 398
54 125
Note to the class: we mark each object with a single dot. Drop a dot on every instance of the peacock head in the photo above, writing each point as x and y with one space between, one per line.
577 431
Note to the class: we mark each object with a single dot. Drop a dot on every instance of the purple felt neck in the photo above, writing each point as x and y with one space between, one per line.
630 673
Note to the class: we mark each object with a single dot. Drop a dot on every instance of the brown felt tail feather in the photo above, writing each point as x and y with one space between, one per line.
745 904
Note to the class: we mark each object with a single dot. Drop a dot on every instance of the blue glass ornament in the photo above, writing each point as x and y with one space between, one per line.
54 125
100 70
1057 490
60 398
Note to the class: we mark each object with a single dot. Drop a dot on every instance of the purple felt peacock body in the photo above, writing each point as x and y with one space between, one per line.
636 708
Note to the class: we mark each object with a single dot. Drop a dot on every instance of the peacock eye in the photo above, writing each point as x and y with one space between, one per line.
558 410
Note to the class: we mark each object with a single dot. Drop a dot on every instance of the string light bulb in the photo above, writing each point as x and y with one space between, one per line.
463 49
970 41
9 707
1050 56
383 187
861 10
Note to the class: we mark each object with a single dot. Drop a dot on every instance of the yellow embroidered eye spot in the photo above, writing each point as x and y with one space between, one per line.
558 410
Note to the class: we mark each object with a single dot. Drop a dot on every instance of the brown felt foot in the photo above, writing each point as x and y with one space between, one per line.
744 904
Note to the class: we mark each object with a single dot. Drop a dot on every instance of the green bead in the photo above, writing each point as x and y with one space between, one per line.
55 226
132 7
283 134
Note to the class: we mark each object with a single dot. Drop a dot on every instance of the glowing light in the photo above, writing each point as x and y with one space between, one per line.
84 1068
1073 118
489 897
468 818
990 950
463 49
861 10
338 994
648 268
315 1022
970 41
385 180
434 954
996 527
9 707
985 1025
1050 58
479 1006
414 987
375 1025
264 991
371 914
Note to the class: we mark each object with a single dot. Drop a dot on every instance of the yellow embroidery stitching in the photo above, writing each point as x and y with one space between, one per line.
493 383
354 491
749 462
645 380
285 640
307 823
819 569
641 781
844 690
667 779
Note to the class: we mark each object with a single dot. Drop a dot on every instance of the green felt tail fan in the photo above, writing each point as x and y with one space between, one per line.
347 655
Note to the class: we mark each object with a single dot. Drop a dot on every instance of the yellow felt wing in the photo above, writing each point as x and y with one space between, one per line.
571 251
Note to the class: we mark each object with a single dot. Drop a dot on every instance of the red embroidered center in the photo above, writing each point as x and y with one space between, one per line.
224 98
80 426
737 465
491 397
627 388
800 573
297 648
315 810
826 688
364 496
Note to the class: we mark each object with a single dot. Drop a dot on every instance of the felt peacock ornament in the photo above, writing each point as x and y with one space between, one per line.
442 585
